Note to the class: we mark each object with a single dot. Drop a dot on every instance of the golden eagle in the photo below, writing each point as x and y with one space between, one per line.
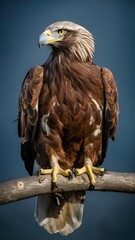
68 109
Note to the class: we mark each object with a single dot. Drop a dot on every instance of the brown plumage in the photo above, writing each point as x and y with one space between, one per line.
68 109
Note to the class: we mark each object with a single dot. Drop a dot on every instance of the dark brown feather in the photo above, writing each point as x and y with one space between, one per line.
28 114
111 109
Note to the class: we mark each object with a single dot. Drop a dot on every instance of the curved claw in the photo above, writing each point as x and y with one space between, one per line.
91 187
75 172
53 186
70 177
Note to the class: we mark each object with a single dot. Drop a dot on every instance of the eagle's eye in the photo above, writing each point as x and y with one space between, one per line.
61 31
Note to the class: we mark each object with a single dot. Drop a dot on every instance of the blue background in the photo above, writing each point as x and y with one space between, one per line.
107 215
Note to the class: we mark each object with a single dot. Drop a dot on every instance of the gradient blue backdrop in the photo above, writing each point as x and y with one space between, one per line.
107 215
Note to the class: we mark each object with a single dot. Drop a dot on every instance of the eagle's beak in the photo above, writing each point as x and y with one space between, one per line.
47 38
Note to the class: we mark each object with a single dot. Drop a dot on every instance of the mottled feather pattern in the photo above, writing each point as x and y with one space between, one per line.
69 106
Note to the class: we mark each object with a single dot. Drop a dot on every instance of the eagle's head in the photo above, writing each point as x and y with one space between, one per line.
69 37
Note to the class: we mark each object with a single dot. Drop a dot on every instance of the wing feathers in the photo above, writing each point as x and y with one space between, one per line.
28 100
112 107
28 112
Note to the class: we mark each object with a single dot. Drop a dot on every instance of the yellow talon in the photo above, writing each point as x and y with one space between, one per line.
55 171
58 170
87 168
45 171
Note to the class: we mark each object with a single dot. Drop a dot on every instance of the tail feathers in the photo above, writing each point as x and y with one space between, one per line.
60 214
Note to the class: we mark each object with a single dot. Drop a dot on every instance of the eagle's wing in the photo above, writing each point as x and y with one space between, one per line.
111 108
28 113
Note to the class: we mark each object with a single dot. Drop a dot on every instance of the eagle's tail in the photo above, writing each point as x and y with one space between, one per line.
60 213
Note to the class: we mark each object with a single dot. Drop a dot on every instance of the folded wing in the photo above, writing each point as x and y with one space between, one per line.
111 108
28 114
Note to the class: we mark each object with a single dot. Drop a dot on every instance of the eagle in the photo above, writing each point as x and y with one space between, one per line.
68 110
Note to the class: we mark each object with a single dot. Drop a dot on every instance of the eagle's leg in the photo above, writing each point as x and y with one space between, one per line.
90 170
55 170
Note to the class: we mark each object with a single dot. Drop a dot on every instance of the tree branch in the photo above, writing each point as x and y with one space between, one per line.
26 187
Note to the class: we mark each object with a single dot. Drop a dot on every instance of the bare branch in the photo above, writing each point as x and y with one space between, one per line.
26 187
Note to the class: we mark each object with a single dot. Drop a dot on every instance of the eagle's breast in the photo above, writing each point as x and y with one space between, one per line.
71 109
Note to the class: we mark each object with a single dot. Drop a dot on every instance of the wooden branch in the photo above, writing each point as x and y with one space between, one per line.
26 187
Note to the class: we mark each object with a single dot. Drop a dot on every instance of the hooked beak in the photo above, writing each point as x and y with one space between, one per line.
47 38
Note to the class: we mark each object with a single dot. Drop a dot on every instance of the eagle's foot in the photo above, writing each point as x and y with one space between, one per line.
90 170
43 171
58 170
55 171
